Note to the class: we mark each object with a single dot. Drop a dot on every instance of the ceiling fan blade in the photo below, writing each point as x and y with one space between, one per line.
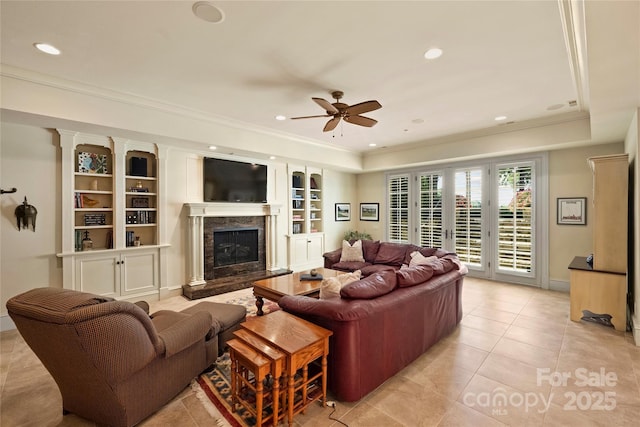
363 107
360 120
326 105
311 117
331 124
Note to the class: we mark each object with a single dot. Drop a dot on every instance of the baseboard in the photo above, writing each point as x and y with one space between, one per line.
559 285
6 324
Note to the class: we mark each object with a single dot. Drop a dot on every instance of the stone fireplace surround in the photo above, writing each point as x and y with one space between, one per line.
197 212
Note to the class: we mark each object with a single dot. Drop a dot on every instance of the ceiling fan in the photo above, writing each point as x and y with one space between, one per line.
339 110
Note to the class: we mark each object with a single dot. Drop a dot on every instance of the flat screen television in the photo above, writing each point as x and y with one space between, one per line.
234 182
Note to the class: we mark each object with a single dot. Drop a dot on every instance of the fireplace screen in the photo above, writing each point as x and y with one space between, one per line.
235 246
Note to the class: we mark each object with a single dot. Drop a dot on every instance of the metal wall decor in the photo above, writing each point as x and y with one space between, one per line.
25 214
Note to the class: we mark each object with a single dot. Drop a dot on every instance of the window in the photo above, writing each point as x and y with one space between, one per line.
398 223
468 216
515 218
431 226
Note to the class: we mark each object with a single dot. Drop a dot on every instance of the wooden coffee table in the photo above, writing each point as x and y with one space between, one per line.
290 284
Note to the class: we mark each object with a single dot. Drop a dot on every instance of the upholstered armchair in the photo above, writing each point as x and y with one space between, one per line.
114 364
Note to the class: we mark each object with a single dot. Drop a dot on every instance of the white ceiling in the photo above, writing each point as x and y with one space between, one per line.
513 58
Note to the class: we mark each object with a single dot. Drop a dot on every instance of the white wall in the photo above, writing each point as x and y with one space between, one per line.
30 162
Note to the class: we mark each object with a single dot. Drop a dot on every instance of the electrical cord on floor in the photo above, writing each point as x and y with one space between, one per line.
335 407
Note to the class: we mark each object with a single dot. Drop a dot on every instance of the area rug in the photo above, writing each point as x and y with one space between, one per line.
217 386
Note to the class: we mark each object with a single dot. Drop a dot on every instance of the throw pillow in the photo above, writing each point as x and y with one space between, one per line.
418 259
352 252
330 286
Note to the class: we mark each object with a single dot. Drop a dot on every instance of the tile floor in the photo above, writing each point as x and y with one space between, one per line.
515 359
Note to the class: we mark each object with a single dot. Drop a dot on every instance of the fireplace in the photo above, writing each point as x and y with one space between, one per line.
207 218
235 246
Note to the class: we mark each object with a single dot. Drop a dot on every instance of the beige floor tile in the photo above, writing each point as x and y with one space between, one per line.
484 324
460 415
494 314
532 355
514 373
364 415
410 403
503 403
544 339
477 338
458 356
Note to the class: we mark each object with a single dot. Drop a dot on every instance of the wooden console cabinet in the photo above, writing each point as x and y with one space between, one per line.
602 287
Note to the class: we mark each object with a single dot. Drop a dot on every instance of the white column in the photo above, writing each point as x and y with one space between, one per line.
196 250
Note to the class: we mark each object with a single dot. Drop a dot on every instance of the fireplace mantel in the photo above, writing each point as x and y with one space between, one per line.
196 213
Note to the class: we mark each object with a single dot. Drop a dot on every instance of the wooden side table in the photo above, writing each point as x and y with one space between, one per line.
278 364
303 343
244 361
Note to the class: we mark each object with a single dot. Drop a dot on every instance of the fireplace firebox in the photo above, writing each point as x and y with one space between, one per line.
235 246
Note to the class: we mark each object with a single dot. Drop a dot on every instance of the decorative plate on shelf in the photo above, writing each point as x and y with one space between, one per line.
92 163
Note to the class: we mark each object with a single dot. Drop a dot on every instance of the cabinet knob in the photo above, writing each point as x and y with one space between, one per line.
117 262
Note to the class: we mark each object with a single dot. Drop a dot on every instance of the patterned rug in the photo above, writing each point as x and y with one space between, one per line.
216 383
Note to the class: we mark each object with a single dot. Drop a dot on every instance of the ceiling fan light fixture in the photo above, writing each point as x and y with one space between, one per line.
433 53
207 12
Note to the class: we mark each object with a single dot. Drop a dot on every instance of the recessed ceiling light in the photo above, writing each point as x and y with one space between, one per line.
372 145
433 53
281 117
213 147
272 157
555 107
207 12
500 118
47 48
417 121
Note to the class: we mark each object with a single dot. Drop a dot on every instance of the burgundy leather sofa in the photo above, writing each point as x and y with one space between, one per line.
386 320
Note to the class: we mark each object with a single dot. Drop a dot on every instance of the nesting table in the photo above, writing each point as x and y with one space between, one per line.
294 351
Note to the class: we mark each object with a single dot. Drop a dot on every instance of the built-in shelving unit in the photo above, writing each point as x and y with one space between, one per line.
306 216
111 240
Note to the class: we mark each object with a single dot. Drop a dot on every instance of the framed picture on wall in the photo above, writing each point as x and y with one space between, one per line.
572 210
343 211
369 212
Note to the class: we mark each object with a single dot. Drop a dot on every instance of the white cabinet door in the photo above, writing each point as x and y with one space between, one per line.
98 274
139 272
305 251
315 248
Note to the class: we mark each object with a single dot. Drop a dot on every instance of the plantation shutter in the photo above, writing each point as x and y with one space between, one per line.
431 226
468 216
398 193
515 221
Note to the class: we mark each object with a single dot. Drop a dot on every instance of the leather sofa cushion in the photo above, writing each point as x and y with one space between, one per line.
373 286
349 265
413 275
391 253
376 268
370 250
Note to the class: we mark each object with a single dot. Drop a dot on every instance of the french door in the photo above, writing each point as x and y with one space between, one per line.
489 214
450 213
